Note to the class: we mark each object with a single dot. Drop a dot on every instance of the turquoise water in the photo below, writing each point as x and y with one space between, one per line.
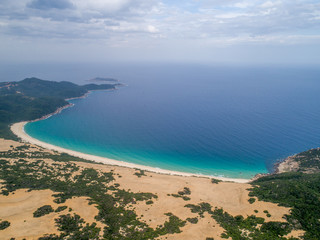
223 121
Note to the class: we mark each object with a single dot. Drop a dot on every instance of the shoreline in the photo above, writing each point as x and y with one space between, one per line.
18 130
69 104
55 112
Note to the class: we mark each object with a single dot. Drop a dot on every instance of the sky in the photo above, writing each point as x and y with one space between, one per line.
205 31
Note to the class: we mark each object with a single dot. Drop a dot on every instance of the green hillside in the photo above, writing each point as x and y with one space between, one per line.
300 192
33 98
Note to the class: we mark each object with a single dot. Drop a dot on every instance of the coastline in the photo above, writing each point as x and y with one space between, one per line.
55 112
18 130
289 164
68 105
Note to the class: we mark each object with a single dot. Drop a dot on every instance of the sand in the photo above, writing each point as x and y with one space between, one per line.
18 129
232 197
18 209
6 145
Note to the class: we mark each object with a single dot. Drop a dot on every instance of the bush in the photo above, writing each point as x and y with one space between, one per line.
4 225
277 228
215 181
140 173
61 208
186 191
192 220
41 211
173 226
182 194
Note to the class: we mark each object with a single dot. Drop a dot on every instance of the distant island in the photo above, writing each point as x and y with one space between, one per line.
52 195
101 79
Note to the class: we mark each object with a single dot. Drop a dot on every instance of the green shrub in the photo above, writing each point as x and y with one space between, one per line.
139 173
215 181
277 228
41 211
192 220
173 226
61 208
4 225
181 194
186 191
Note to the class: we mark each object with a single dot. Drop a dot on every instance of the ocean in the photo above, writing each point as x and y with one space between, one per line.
231 121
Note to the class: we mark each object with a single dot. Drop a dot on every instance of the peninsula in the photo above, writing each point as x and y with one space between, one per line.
33 98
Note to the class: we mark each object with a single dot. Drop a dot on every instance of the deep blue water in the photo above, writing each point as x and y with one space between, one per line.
229 121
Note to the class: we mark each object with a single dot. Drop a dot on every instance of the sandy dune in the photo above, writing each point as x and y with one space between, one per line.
18 209
233 197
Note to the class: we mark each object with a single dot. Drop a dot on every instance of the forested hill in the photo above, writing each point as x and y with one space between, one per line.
34 87
33 98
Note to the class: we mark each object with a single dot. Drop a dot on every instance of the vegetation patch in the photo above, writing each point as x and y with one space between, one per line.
300 192
215 181
73 227
61 208
267 213
149 202
4 225
44 210
173 226
182 194
63 157
140 173
201 208
238 227
192 220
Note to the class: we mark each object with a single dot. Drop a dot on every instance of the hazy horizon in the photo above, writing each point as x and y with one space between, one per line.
126 71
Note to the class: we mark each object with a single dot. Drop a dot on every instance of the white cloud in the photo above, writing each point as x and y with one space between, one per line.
233 15
158 23
268 4
244 4
152 29
101 5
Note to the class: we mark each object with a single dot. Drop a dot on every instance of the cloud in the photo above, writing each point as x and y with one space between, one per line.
49 4
163 22
109 6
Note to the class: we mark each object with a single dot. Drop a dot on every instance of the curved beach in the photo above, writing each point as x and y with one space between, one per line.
18 130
